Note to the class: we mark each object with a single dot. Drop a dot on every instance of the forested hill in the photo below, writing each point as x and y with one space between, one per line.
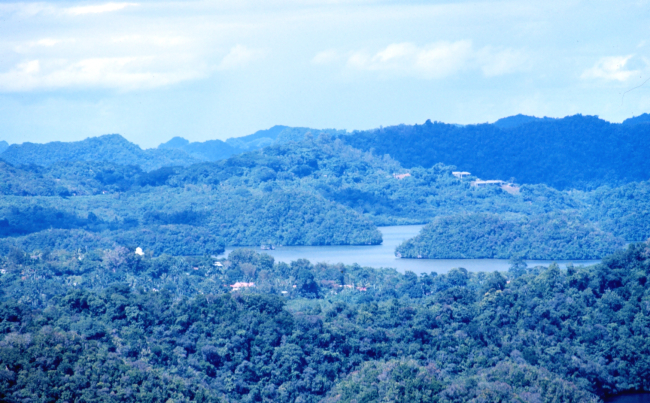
518 120
214 150
210 150
573 152
643 118
322 178
111 147
178 151
488 236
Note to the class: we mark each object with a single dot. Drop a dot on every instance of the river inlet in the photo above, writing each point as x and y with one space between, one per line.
384 255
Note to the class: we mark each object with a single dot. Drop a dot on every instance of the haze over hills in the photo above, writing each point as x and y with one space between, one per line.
211 150
110 147
518 120
176 152
578 151
214 150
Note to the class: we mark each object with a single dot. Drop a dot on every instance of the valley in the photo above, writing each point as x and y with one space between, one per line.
326 266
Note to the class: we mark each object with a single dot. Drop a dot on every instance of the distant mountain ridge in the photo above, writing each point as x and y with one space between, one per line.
518 120
176 152
578 151
643 118
214 150
110 147
211 150
573 152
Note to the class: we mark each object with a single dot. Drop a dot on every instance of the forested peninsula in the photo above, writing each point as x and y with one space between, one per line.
489 236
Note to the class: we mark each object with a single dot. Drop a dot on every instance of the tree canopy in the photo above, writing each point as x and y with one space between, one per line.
116 326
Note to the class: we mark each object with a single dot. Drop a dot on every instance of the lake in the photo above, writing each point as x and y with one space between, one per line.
384 255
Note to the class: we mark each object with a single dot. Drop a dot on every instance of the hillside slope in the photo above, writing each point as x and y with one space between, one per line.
573 152
489 236
377 187
643 118
518 120
214 150
111 148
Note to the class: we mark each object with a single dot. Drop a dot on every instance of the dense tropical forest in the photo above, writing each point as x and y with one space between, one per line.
116 326
214 150
111 147
575 152
488 236
316 191
176 152
113 286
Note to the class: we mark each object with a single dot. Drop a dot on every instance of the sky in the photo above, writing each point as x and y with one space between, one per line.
202 70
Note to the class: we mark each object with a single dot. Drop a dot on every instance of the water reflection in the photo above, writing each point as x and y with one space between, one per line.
384 255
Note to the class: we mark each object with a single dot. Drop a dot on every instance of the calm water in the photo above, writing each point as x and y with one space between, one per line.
384 255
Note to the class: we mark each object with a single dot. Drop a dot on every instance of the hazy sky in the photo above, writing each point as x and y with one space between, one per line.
151 70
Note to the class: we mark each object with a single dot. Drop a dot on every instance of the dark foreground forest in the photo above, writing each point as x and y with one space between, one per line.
117 326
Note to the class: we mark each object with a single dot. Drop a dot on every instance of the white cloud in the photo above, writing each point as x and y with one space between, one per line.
29 47
433 61
32 9
326 57
104 58
611 68
442 59
123 73
240 56
98 8
31 67
46 42
148 40
501 62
